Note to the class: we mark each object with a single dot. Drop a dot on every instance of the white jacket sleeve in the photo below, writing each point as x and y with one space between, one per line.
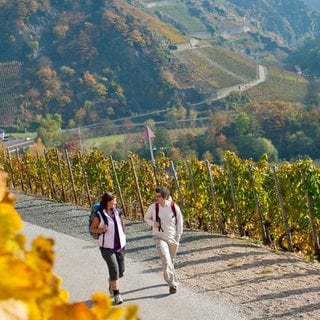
148 217
179 224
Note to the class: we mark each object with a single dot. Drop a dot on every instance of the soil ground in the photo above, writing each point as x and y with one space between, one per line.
260 283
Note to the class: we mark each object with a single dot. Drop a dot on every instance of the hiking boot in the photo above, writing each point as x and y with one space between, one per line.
173 289
117 299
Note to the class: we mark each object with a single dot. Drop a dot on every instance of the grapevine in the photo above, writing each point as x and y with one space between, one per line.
240 198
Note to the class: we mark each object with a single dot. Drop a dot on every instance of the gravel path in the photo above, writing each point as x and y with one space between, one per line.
260 283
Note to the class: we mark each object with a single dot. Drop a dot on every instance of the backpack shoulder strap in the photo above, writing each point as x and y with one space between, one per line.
101 215
157 210
173 208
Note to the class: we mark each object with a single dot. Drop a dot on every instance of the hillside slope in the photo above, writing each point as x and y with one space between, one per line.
97 60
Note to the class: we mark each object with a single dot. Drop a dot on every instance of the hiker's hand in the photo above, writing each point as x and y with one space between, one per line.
104 229
156 225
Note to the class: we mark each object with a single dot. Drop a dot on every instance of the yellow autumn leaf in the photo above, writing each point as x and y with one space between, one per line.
10 224
19 280
41 255
132 312
5 195
75 311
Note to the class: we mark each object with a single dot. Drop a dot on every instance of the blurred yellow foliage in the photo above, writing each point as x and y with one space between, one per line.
29 290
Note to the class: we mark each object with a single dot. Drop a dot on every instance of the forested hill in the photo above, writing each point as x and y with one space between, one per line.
85 60
93 60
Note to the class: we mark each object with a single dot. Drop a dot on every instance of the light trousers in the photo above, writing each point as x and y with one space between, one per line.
167 251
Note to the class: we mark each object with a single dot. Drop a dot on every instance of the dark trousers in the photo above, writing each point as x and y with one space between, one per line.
115 262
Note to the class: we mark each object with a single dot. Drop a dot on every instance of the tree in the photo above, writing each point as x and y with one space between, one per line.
60 31
298 144
49 81
277 118
73 145
50 130
37 147
253 147
246 123
313 95
264 146
193 114
175 114
175 154
207 155
2 146
162 140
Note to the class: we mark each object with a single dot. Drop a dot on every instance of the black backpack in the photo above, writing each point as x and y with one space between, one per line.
94 210
173 208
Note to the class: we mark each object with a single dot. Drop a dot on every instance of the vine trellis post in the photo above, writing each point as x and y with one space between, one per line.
71 177
52 188
137 185
191 179
61 176
20 170
40 176
99 171
215 198
27 173
193 191
312 220
6 156
175 176
154 168
234 200
283 211
265 238
85 179
118 185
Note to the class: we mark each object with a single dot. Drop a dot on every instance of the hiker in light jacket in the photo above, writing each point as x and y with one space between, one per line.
166 233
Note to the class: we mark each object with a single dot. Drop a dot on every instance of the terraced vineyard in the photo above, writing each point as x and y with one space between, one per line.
215 68
181 14
241 66
10 73
281 85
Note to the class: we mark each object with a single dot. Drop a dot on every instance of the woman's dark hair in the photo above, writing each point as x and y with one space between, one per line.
107 197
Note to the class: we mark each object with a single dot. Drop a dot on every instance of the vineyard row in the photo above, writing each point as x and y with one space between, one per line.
278 205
